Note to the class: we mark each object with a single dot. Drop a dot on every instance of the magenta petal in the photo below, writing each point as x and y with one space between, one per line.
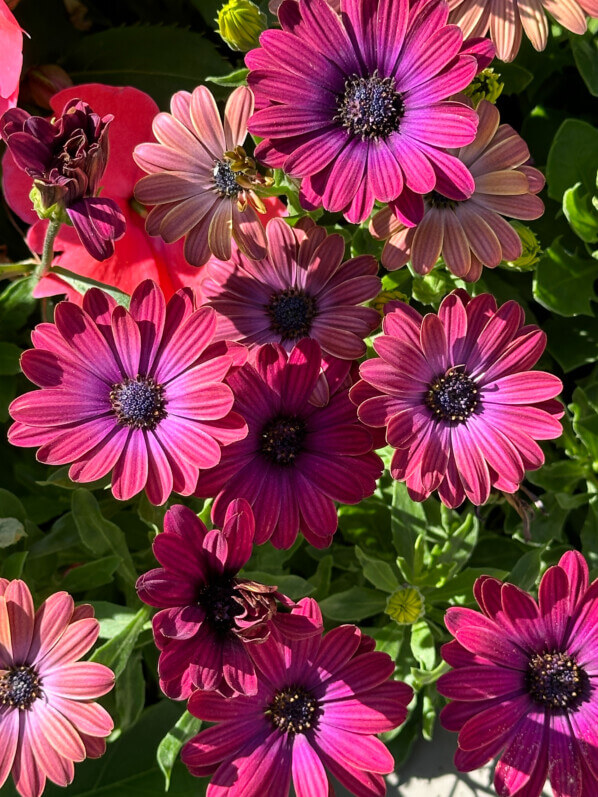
99 222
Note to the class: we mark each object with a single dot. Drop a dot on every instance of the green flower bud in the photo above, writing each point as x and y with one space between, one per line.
405 605
240 23
485 86
531 249
382 299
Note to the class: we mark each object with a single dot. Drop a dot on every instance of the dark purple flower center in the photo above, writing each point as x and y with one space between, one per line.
225 180
556 680
291 313
453 397
221 607
293 710
138 402
370 107
436 200
282 439
20 687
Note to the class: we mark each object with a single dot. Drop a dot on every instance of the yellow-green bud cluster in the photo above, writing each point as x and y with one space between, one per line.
485 86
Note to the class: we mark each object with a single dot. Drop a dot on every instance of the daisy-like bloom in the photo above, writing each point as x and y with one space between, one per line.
200 178
318 704
458 399
48 719
66 156
508 19
525 682
470 232
301 289
303 451
357 104
208 614
139 392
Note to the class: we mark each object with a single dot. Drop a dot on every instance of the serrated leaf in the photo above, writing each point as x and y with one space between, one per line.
170 746
158 60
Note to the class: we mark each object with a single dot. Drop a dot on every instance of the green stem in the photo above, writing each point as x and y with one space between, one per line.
22 267
48 251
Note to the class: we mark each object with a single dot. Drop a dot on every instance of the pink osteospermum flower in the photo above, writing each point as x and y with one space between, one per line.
208 614
318 704
200 179
458 399
48 717
139 393
508 19
525 683
301 289
305 448
471 232
367 114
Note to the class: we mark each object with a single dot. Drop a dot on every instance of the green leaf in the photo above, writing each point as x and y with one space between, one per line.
101 536
130 692
156 59
585 53
581 213
168 749
527 570
91 575
573 158
423 645
377 572
236 78
9 359
113 618
585 421
16 304
116 652
11 531
8 390
460 588
82 284
561 476
354 604
589 536
564 282
13 565
408 520
515 78
561 332
11 506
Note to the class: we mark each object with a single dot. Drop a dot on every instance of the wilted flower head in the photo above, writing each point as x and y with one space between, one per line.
201 179
209 614
67 156
48 720
470 232
319 703
524 683
240 23
457 396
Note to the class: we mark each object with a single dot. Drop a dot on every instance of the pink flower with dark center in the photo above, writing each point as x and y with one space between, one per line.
508 19
357 104
200 178
525 682
138 392
319 703
458 399
305 448
48 719
301 289
209 614
66 156
470 232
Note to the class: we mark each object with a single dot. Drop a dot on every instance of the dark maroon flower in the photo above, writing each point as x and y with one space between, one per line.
524 683
209 614
319 703
67 156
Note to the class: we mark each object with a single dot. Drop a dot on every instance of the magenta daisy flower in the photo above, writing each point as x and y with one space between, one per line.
470 232
200 178
302 453
302 289
457 398
525 683
209 615
318 704
507 20
139 393
357 104
48 719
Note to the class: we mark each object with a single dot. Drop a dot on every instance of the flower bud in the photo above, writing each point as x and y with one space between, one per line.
240 23
530 248
405 605
381 300
41 83
485 86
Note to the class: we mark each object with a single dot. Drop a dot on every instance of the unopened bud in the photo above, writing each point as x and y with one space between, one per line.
406 605
240 23
530 247
485 86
